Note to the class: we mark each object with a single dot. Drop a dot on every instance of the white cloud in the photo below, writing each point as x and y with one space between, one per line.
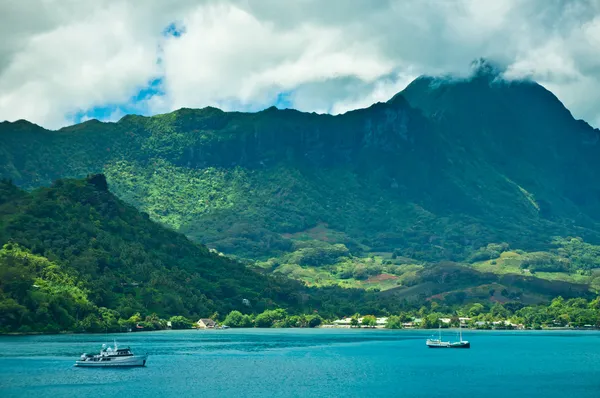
229 56
66 57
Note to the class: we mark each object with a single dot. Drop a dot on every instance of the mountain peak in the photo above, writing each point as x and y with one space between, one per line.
485 68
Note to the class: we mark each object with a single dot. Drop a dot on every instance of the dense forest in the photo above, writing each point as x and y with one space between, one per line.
75 257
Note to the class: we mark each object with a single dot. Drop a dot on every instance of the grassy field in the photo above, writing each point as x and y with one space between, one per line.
501 279
374 272
510 262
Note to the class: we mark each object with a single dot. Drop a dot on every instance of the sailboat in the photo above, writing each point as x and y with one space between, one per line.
438 343
460 343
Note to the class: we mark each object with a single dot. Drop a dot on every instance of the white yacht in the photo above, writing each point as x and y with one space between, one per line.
112 357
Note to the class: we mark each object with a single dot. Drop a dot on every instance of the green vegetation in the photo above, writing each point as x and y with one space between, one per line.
369 321
128 262
559 313
532 277
36 294
277 318
397 321
569 260
394 177
180 322
236 319
576 313
318 263
76 258
461 191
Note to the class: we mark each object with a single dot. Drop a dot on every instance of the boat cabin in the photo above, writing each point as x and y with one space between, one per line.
119 352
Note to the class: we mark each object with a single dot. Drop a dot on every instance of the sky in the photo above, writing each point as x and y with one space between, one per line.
67 61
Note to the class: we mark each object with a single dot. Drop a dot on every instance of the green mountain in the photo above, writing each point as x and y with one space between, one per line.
74 252
473 171
75 257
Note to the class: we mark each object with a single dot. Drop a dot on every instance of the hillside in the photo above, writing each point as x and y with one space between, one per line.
74 252
75 257
440 172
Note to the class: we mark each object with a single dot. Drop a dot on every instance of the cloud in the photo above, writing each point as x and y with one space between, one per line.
67 60
229 57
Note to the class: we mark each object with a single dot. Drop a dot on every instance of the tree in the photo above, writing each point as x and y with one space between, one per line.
354 321
394 322
135 318
91 323
369 321
557 302
498 311
431 321
476 309
269 317
180 322
236 319
314 321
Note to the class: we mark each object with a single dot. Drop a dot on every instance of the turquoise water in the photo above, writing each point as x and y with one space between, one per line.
308 363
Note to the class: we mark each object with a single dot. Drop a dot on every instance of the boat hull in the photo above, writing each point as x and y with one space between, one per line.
437 343
136 361
446 344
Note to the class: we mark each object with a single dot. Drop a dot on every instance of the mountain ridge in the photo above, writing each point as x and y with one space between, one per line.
454 167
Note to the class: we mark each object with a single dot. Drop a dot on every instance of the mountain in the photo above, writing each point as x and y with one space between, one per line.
524 133
73 252
452 164
464 170
76 258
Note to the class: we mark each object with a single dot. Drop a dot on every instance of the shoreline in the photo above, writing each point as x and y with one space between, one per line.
327 327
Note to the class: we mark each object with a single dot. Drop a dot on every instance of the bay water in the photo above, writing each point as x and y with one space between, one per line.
308 363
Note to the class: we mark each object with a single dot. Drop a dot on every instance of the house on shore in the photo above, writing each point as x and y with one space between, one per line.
206 323
347 322
507 325
415 323
344 322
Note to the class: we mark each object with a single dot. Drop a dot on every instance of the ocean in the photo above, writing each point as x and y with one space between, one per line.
308 363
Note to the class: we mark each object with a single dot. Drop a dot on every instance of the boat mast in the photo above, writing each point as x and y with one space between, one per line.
460 329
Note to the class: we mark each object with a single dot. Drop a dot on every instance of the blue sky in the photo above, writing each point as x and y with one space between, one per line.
134 105
137 105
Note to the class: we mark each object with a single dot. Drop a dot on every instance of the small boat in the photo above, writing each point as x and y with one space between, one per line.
112 357
438 343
